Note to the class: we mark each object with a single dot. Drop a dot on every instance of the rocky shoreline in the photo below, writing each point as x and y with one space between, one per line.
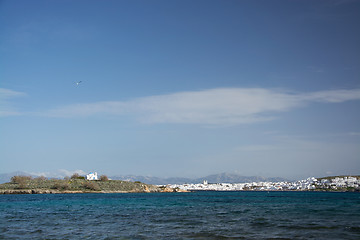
76 184
34 191
54 191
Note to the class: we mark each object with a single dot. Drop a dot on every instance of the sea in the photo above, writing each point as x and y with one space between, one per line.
194 215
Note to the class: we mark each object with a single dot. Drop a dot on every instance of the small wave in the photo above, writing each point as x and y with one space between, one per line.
278 238
210 235
309 227
354 229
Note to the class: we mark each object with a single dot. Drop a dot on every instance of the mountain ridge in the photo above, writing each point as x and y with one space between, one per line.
213 178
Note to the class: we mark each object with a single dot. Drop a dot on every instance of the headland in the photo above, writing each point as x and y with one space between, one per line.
41 185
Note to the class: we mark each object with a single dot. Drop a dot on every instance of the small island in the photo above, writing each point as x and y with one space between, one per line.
76 184
91 183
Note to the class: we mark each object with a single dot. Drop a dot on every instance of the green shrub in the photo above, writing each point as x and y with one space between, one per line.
77 176
104 178
91 186
40 179
61 186
22 181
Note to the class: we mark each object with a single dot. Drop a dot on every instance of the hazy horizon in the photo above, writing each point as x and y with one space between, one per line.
180 88
62 173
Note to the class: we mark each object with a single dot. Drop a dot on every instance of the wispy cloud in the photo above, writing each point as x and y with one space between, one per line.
61 173
6 108
7 93
257 148
289 155
283 143
354 133
333 96
221 106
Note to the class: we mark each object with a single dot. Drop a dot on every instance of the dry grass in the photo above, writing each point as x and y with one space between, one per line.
76 184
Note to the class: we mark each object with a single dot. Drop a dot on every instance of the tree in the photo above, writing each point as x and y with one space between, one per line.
77 176
41 178
91 186
21 181
61 186
104 178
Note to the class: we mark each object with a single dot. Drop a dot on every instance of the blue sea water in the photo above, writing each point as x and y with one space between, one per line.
197 215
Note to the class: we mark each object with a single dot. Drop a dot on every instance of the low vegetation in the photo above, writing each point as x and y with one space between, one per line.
21 181
62 186
91 185
77 176
75 183
104 178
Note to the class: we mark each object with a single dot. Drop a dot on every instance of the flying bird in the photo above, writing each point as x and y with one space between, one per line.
77 83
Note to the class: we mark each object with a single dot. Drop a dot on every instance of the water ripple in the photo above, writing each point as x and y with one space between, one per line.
201 215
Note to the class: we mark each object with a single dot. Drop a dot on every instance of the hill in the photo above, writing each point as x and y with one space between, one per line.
215 178
26 184
340 176
5 177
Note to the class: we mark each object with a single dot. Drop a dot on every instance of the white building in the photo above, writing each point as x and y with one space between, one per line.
92 176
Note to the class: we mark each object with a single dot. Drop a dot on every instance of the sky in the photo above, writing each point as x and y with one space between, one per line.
180 88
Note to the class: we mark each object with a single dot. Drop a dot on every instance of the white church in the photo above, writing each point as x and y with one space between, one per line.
92 176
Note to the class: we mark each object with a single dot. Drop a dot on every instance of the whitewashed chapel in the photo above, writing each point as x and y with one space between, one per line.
92 176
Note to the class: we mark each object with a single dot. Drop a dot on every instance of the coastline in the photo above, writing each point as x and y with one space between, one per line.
168 190
40 185
54 191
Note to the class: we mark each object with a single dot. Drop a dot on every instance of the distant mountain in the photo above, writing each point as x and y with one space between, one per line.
6 177
59 174
236 178
152 180
215 178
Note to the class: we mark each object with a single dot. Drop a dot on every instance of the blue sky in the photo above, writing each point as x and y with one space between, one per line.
180 88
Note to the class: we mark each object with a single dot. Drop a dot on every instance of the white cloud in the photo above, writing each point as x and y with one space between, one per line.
281 144
61 173
9 113
5 107
257 148
67 173
354 133
88 109
221 106
333 96
7 93
288 156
